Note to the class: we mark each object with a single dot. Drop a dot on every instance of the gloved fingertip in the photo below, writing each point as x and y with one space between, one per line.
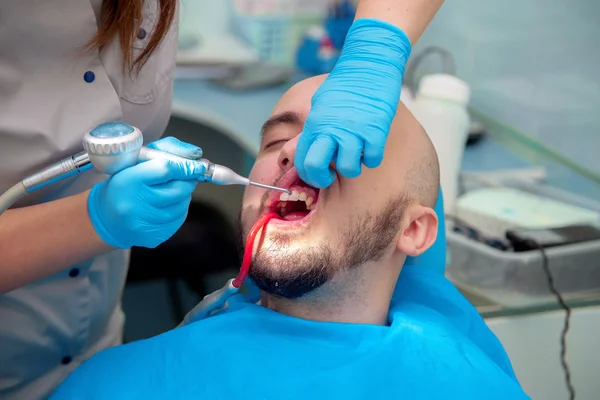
349 172
175 146
196 153
373 161
321 180
188 150
300 158
325 183
299 165
373 154
302 174
166 141
170 139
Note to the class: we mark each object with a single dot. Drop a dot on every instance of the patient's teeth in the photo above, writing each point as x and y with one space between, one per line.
284 197
309 201
281 204
302 196
310 207
294 196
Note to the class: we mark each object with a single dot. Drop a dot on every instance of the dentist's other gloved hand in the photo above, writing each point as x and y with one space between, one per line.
353 109
144 205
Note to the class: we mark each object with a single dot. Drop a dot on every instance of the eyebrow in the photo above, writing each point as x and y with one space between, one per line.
286 117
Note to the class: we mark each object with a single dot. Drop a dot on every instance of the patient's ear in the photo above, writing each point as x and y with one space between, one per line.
420 225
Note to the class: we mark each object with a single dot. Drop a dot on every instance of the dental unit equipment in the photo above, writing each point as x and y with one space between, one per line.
110 148
218 300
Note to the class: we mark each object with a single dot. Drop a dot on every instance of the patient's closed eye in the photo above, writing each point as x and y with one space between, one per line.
275 143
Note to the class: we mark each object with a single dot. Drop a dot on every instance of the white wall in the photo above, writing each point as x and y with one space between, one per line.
533 64
532 343
204 17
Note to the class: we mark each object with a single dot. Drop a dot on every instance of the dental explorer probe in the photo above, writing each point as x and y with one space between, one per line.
215 173
110 148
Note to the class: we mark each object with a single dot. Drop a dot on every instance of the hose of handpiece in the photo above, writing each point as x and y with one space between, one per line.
12 195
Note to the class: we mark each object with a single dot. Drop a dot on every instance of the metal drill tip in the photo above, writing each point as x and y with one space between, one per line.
262 185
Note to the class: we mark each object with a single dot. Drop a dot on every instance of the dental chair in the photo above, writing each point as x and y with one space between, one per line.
205 244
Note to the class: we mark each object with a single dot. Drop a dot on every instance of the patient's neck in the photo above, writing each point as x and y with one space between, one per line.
358 295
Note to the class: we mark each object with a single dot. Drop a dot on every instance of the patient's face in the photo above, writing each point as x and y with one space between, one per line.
317 233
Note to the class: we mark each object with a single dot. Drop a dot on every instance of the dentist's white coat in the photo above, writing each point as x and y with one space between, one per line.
49 327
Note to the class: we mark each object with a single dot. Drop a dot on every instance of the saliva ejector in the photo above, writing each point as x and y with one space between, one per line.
110 148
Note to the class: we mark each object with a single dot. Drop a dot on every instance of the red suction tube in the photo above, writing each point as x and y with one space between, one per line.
245 269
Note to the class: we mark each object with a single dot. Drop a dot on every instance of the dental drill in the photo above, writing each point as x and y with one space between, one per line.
110 148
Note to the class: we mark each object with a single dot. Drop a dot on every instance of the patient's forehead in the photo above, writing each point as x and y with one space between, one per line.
298 97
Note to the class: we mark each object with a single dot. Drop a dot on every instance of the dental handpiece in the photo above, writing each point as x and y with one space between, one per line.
110 148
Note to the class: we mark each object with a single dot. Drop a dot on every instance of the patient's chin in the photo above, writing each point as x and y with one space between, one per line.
292 276
288 286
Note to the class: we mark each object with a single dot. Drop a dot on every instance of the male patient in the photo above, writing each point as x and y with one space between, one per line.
335 320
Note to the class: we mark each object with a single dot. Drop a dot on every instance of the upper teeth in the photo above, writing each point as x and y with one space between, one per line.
296 196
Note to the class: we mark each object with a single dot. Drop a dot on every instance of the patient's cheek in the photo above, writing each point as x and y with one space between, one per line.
252 196
265 170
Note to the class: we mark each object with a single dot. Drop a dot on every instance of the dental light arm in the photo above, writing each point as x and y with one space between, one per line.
110 148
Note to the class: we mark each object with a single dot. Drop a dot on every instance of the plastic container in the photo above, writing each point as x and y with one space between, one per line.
518 280
440 106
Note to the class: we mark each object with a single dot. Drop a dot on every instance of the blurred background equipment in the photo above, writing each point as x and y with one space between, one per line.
273 28
440 106
494 211
489 255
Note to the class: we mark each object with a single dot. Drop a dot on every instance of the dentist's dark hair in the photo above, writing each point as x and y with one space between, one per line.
123 18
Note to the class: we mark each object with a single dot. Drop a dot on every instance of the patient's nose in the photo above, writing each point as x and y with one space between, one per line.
286 155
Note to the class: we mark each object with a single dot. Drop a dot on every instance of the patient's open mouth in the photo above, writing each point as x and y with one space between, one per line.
299 204
296 207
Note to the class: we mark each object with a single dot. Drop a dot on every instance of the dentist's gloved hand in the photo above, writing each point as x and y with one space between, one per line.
146 204
353 109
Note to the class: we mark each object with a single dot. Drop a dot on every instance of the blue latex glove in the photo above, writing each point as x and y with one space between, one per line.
353 109
146 204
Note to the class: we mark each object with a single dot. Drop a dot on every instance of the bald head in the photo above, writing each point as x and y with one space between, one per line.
422 173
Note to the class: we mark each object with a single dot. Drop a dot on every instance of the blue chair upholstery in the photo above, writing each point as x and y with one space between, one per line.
435 258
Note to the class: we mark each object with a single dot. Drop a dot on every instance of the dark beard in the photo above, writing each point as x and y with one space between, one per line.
364 238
